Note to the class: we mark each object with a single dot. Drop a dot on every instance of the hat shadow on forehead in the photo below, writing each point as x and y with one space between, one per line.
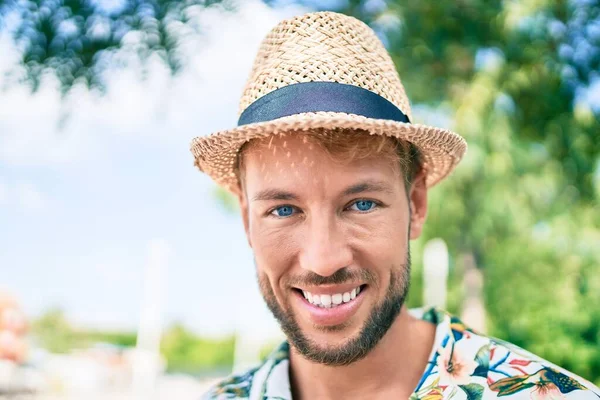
323 72
286 153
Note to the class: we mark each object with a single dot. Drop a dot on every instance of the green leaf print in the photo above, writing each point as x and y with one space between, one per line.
474 391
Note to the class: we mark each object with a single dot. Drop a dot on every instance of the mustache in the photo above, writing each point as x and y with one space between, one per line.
343 275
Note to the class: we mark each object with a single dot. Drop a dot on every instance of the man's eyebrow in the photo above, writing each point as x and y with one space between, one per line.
368 186
274 194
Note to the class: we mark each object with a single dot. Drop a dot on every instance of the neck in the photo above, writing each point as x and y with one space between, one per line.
393 367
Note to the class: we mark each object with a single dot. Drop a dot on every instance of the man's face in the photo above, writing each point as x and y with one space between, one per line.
331 244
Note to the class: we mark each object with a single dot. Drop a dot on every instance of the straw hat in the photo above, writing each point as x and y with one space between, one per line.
324 70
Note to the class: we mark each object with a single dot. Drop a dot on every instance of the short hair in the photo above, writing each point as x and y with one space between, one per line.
348 145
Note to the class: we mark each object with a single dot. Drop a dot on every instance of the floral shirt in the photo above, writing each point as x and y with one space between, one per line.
463 365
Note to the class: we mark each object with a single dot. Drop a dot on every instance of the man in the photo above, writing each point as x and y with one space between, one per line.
332 180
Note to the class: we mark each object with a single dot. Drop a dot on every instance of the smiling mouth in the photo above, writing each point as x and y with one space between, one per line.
331 300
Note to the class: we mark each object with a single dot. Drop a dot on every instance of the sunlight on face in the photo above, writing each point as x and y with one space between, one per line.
323 226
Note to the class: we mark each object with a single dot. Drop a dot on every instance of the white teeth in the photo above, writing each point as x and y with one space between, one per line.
336 299
326 300
316 300
330 301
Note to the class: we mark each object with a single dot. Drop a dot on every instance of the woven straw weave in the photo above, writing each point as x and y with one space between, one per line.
326 47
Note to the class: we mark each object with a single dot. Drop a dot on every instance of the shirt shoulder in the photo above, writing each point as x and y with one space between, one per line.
514 370
270 379
235 386
468 364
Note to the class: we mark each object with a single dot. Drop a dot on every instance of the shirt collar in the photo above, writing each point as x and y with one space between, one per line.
271 381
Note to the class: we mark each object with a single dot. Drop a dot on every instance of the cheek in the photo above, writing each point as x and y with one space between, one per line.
384 233
381 245
274 249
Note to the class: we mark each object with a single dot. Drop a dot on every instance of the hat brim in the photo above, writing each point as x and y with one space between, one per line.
216 154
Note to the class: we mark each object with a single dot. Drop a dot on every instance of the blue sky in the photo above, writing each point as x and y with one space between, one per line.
80 207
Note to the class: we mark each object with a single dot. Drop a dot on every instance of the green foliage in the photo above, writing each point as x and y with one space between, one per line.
53 332
77 39
121 339
183 350
226 200
186 352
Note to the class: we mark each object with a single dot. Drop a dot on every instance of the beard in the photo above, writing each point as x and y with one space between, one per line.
377 324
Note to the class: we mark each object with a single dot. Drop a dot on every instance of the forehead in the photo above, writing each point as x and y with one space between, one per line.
299 161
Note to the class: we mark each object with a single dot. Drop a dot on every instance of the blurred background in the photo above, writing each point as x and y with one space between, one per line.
125 273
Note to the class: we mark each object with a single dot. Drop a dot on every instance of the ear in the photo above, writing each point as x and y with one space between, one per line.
243 201
418 204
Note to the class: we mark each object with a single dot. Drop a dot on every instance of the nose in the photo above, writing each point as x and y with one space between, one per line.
326 248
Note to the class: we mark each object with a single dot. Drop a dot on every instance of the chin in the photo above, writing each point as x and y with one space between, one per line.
333 337
342 334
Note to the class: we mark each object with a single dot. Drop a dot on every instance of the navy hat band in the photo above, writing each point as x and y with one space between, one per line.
320 96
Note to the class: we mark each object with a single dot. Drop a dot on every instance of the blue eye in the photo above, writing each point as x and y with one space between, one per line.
283 211
364 205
